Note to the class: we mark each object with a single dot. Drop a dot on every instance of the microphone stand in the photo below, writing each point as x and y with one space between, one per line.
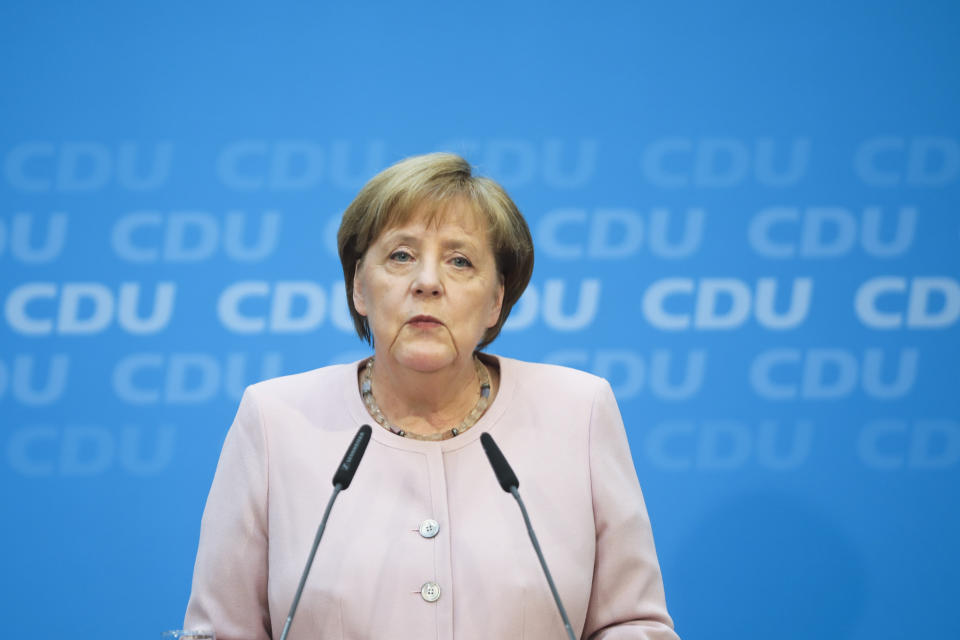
306 570
543 563
341 480
509 483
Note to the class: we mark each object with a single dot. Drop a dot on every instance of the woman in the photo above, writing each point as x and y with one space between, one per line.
425 544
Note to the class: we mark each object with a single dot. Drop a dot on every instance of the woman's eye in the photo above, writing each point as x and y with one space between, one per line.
400 256
460 261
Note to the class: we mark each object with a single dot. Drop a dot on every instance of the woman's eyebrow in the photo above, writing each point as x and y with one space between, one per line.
401 236
458 243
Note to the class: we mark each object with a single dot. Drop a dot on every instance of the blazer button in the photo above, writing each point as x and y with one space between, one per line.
429 528
430 591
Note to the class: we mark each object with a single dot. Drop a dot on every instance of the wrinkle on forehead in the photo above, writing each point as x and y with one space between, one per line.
433 214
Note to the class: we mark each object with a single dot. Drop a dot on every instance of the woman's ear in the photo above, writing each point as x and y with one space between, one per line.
358 301
494 316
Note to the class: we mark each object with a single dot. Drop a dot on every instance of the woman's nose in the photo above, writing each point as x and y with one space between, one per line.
427 280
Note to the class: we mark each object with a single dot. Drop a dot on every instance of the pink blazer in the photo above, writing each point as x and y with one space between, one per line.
561 431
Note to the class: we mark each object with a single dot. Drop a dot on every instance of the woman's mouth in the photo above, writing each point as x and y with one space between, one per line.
424 322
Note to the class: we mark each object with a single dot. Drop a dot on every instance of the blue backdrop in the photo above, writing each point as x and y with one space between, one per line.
745 218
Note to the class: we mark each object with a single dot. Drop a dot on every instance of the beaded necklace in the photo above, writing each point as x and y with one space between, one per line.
366 391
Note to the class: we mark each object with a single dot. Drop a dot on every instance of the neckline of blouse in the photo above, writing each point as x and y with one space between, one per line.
486 422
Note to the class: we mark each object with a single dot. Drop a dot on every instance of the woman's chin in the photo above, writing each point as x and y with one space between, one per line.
425 360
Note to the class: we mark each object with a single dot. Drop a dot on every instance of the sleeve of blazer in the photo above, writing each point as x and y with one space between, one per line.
627 599
229 593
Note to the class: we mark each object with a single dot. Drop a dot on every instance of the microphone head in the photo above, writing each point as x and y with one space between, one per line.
351 459
505 475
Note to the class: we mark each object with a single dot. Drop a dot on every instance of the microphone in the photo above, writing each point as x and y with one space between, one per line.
341 480
509 483
505 475
351 459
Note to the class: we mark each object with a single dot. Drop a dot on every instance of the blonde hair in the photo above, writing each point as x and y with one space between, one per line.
390 198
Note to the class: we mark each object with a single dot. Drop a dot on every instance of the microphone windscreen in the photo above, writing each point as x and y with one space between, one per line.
351 459
505 475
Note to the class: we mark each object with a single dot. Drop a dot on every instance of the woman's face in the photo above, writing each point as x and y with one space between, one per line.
430 291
